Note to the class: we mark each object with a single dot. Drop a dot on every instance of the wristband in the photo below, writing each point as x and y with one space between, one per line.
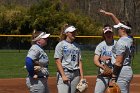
114 78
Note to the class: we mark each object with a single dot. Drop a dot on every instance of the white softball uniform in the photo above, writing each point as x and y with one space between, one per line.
70 55
36 53
103 49
124 47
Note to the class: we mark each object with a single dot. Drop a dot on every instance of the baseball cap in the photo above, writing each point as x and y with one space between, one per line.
107 29
121 25
42 35
70 29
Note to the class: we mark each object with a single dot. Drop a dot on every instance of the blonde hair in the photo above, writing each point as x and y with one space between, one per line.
62 34
34 35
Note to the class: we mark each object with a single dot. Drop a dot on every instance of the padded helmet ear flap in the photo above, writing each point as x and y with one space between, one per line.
113 89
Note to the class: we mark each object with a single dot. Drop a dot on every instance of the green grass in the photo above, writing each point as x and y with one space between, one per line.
12 63
136 64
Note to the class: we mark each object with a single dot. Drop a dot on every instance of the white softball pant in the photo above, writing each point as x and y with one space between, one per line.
37 85
125 78
74 78
101 84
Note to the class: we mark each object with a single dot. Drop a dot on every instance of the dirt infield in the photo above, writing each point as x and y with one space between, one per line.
18 85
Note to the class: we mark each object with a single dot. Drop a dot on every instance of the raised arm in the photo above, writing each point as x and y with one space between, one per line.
114 18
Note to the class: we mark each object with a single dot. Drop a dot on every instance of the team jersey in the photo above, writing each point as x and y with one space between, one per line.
103 49
36 53
69 53
123 47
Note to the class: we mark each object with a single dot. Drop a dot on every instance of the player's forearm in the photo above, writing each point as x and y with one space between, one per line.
96 61
117 67
114 18
119 60
29 66
81 70
59 67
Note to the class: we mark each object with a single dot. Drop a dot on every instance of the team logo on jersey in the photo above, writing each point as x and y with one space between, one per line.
70 51
105 52
65 47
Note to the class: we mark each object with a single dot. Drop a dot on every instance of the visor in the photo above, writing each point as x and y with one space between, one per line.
70 29
107 29
121 25
42 35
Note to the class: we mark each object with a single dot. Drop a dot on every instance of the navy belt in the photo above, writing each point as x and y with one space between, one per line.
127 65
42 76
68 70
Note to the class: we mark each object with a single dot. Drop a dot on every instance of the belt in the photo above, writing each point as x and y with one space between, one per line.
39 76
42 76
68 70
127 65
124 65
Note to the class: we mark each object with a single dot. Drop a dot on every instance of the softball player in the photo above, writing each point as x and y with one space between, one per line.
68 60
37 54
122 55
103 53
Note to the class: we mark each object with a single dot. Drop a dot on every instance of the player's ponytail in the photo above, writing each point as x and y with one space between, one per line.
62 34
128 31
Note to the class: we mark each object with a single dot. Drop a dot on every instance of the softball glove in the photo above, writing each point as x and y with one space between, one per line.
113 89
82 85
107 72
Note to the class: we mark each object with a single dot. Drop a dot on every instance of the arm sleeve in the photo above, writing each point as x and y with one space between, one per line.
120 48
34 52
98 50
58 51
29 66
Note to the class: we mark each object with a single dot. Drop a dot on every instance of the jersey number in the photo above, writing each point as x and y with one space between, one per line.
73 57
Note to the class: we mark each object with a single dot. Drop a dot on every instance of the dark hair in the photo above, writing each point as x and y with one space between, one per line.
107 25
34 35
128 31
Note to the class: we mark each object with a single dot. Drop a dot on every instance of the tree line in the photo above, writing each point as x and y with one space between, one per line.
23 16
125 10
43 15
